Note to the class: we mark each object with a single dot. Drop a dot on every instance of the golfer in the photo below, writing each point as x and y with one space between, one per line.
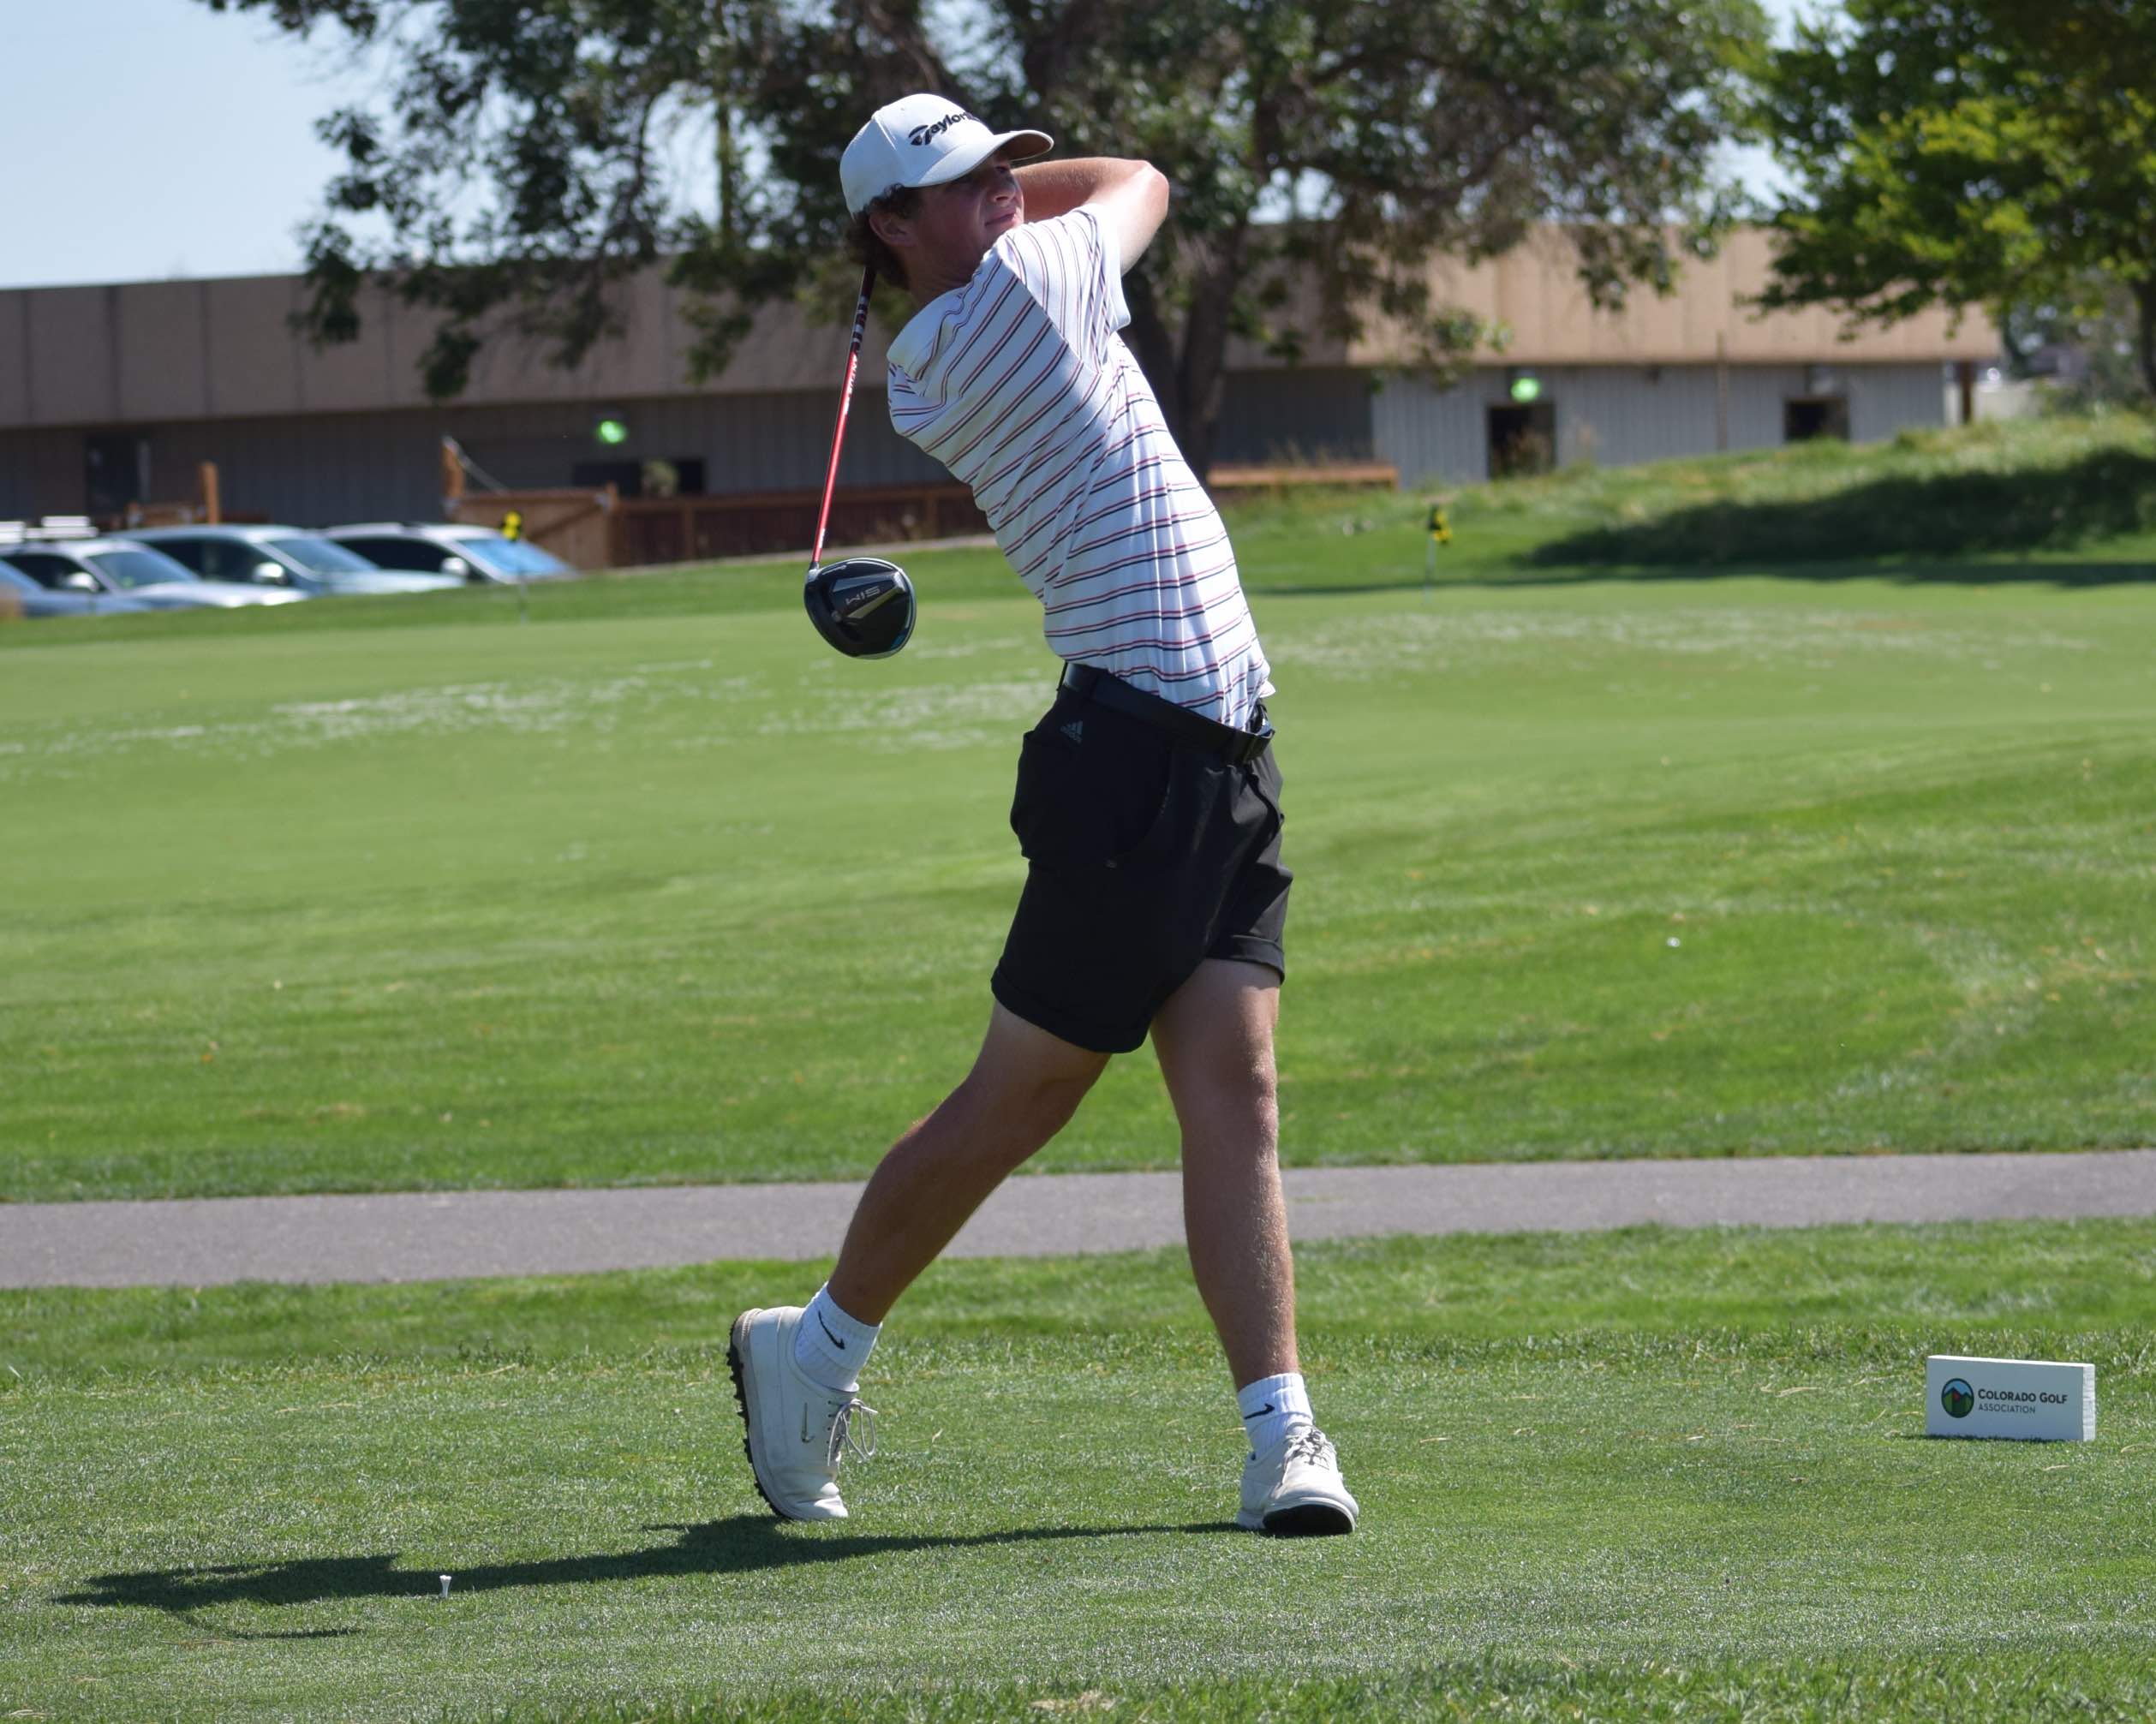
1148 802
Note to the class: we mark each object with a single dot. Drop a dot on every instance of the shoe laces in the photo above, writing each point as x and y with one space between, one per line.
1313 1446
850 1434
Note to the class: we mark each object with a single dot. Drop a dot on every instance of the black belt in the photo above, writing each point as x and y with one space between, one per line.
1192 730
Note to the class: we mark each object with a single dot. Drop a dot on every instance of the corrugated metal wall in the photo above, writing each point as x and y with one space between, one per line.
1884 399
328 468
325 468
1296 416
41 473
1616 416
160 353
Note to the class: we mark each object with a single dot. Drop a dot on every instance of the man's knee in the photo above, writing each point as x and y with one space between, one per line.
1030 1106
1030 1081
1224 1075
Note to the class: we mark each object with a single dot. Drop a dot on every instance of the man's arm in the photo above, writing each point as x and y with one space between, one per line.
1131 197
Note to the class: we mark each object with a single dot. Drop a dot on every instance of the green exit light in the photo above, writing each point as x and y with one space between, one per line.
611 432
1527 388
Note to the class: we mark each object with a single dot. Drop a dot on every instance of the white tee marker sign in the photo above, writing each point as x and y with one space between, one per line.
2038 1400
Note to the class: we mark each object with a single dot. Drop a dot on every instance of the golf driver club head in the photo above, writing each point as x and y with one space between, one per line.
864 605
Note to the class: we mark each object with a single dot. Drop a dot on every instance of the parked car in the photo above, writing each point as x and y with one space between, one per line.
134 571
290 557
470 553
21 596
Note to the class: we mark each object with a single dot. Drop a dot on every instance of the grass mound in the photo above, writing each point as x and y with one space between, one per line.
1991 489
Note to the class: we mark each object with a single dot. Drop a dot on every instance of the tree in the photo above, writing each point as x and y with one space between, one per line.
2097 322
1995 153
1320 149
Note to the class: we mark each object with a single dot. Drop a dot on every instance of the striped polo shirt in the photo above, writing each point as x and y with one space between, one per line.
1019 384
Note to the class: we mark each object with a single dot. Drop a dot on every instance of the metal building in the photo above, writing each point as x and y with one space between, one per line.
114 395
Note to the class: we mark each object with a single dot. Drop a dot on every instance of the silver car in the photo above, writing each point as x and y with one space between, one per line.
21 596
442 547
122 567
292 558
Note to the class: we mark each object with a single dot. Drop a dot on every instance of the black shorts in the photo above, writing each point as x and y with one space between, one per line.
1147 853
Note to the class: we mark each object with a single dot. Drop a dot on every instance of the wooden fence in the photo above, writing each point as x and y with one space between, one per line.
581 528
1246 481
688 530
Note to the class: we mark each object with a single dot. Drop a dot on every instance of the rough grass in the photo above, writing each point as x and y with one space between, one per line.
2062 485
1998 1684
1641 1476
2069 501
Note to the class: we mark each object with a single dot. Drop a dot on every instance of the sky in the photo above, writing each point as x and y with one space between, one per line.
156 140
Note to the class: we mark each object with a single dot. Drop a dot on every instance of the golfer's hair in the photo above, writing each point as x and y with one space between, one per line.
867 245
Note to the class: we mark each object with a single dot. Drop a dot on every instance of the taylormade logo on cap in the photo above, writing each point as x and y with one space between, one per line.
921 134
924 140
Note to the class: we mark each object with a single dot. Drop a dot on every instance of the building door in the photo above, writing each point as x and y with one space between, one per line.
1804 417
625 476
1523 439
681 477
116 472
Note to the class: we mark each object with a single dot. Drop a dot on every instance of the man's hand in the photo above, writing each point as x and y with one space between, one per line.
1130 197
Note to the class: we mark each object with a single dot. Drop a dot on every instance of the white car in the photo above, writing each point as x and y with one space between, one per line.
439 548
126 569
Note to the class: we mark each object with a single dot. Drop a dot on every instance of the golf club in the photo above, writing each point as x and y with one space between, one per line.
864 605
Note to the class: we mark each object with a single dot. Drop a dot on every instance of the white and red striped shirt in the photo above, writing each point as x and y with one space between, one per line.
1019 384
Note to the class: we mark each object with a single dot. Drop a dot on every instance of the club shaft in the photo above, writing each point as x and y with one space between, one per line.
846 401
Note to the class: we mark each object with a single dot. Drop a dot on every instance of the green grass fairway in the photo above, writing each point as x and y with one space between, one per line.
1638 1476
407 894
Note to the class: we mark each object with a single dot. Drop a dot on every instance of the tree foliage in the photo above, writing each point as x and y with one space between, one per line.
1321 151
1996 152
2098 321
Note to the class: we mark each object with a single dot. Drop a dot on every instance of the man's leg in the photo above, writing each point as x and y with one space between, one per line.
1215 1040
1023 1087
794 1369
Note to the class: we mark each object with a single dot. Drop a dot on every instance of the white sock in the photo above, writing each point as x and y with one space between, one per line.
831 1347
1273 1406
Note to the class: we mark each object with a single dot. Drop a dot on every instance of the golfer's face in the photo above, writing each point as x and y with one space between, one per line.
958 222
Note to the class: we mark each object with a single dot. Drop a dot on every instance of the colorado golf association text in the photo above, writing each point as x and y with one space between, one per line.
2017 1400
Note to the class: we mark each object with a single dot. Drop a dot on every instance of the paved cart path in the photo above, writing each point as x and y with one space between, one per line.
427 1236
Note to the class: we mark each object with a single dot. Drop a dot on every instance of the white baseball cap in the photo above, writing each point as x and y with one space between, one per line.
923 141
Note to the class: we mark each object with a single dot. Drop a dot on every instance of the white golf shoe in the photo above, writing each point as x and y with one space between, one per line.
799 1430
1294 1490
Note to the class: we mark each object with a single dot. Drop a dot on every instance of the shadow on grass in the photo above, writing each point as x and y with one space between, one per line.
737 1545
2105 495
